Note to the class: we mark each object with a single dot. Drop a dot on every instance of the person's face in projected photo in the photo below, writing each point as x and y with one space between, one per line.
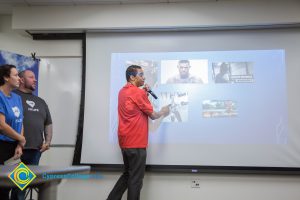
184 70
139 79
150 73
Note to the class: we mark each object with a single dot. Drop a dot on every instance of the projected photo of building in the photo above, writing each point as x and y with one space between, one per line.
178 102
219 108
232 72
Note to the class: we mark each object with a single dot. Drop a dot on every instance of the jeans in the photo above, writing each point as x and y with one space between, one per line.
31 156
132 177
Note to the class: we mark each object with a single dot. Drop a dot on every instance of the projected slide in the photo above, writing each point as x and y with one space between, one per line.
178 102
233 72
215 97
217 108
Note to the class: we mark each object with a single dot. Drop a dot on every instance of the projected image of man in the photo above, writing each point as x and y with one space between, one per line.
184 75
134 108
223 75
233 72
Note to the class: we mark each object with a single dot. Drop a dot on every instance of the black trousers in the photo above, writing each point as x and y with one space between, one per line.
7 150
133 175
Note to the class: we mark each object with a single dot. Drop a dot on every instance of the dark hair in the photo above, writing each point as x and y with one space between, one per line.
224 68
21 73
5 72
184 61
132 71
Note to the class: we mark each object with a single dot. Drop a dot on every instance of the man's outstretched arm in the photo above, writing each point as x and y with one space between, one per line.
163 112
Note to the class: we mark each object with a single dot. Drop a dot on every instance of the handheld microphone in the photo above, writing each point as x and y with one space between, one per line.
152 94
147 88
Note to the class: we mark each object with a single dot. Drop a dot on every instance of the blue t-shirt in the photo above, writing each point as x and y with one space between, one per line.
11 108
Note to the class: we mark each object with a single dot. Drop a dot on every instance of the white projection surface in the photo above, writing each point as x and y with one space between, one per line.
239 108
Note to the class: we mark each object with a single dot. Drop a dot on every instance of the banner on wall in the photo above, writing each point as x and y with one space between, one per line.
21 62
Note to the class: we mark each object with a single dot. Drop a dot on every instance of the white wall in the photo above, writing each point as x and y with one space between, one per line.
178 187
64 115
158 186
22 43
164 15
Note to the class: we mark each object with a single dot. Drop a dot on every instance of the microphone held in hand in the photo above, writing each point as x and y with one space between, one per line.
152 94
147 88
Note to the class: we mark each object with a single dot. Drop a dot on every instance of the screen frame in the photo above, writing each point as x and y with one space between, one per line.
167 168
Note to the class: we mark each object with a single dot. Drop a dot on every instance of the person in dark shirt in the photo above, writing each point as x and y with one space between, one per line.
37 124
223 76
37 120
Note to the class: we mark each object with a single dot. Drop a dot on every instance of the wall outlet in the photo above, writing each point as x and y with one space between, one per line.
195 184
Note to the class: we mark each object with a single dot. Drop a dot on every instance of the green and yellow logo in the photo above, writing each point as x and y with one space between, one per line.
22 176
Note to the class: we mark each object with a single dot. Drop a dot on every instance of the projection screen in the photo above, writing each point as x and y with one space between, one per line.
240 108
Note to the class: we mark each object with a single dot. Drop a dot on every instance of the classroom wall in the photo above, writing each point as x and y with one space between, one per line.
158 186
164 15
64 123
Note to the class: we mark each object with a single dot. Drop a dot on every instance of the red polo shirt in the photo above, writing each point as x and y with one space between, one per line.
133 110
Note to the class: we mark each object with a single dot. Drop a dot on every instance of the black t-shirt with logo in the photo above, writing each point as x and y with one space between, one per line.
36 117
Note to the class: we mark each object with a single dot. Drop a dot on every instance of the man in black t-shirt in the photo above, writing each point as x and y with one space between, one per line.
37 124
37 120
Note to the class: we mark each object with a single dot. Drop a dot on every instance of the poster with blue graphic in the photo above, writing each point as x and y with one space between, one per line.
21 62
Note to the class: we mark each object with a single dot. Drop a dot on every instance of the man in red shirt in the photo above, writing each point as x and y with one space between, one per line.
134 108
